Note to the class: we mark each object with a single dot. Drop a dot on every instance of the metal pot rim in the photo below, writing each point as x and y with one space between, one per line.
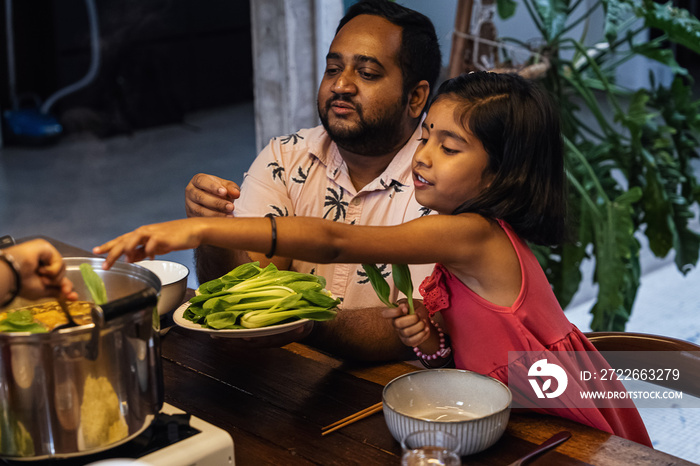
73 264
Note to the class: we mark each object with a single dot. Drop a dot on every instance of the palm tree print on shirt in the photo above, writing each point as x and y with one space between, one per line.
302 175
293 138
277 171
395 185
336 207
278 212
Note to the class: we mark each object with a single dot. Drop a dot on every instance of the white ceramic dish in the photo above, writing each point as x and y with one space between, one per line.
472 407
173 280
235 333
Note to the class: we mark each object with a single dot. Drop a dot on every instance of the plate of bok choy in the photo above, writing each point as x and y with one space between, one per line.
253 301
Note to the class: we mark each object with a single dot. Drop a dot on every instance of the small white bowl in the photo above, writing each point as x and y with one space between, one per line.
173 281
472 407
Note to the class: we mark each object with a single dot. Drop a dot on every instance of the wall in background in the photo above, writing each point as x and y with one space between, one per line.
634 74
159 59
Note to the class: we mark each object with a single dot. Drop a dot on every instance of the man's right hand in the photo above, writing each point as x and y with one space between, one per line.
210 196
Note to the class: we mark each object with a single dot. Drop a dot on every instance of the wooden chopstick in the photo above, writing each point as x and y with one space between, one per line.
352 418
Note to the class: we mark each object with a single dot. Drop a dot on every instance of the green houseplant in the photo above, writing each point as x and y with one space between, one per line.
628 153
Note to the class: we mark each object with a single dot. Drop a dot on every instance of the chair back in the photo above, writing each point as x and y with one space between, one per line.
669 353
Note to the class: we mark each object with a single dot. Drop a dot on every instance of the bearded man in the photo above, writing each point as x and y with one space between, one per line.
355 168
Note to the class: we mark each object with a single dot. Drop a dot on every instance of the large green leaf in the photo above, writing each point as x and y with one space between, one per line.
505 8
617 252
616 14
660 230
553 15
671 183
687 245
562 265
628 154
663 56
680 26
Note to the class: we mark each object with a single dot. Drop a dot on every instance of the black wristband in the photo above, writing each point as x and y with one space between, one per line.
12 263
273 247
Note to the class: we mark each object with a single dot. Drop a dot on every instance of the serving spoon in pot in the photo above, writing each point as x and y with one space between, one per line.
64 307
144 299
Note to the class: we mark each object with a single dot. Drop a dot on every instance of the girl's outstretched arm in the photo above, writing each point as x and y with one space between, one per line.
162 238
435 238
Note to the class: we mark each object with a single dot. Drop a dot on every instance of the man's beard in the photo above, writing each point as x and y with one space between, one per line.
370 137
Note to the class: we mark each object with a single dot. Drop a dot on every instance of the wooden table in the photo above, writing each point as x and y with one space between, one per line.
274 402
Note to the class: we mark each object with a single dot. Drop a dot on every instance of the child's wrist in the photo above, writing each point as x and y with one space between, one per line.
443 351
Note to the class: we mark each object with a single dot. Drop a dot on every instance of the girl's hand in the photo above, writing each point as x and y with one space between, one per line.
411 329
151 240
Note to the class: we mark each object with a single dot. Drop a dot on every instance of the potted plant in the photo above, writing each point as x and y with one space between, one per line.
628 152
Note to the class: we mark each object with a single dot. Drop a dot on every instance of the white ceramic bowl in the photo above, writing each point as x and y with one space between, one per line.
173 280
472 407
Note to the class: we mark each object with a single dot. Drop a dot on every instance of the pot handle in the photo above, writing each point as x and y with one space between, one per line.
113 309
136 301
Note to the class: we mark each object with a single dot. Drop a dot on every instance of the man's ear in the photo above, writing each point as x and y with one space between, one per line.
418 98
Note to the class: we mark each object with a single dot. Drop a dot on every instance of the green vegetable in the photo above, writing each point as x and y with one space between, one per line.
224 319
257 319
381 287
235 276
250 297
94 284
402 280
21 321
15 440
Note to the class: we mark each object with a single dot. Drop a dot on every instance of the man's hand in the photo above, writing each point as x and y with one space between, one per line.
210 196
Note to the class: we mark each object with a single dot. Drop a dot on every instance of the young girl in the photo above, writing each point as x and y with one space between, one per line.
490 161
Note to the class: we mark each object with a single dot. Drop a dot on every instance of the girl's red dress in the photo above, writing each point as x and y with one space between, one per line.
483 333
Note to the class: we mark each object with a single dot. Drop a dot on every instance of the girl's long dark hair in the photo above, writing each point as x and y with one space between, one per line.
519 128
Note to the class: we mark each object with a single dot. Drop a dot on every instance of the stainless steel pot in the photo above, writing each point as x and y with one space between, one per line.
81 390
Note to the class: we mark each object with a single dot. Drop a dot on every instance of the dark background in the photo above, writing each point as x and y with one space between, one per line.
159 60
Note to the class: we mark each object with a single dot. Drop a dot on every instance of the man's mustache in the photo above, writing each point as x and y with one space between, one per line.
339 98
342 98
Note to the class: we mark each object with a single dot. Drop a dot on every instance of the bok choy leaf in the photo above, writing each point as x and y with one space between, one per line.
250 296
402 280
94 284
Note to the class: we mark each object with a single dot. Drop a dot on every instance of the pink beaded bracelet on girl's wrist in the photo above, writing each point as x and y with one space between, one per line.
442 352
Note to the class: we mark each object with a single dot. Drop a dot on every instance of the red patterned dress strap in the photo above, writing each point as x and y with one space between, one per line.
434 291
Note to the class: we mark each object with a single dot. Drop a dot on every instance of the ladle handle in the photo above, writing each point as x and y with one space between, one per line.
113 309
134 302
